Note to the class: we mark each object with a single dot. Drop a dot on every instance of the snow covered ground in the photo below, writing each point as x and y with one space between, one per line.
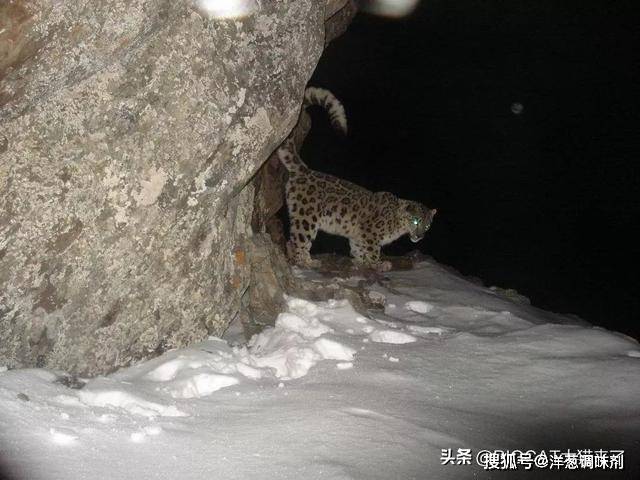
331 394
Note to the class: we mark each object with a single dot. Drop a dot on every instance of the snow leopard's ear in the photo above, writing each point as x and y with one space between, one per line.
433 212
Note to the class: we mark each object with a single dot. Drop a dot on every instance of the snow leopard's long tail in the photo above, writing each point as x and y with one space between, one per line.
289 157
325 99
321 97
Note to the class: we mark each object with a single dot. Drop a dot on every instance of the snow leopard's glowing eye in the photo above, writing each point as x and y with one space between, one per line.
416 221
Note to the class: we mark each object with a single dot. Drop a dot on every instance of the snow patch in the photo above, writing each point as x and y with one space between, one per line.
331 350
391 336
418 306
307 327
63 437
288 363
200 385
153 430
419 330
302 307
168 371
138 437
249 372
107 418
68 400
131 403
295 344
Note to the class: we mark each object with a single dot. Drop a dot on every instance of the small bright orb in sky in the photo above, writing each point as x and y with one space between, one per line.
390 8
227 8
517 108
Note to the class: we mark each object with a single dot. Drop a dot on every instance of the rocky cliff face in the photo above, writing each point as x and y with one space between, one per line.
129 133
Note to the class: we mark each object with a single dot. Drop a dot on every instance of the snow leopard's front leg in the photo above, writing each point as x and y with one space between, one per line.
367 254
303 233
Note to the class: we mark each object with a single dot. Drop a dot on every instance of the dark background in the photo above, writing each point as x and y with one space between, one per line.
546 201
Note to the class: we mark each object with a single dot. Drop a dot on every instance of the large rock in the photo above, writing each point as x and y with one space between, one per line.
129 132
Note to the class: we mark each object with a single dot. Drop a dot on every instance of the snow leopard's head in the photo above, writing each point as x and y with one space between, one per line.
418 219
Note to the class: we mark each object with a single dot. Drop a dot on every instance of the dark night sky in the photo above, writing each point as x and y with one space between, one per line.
544 202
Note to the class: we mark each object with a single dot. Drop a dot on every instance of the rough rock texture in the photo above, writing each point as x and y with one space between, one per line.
270 279
339 14
129 133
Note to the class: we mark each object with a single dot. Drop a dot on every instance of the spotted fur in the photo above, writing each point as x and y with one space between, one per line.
317 201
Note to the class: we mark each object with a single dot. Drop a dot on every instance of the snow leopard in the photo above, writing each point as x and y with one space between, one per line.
318 201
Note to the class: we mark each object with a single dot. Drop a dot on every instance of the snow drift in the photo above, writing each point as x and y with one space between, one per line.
328 393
